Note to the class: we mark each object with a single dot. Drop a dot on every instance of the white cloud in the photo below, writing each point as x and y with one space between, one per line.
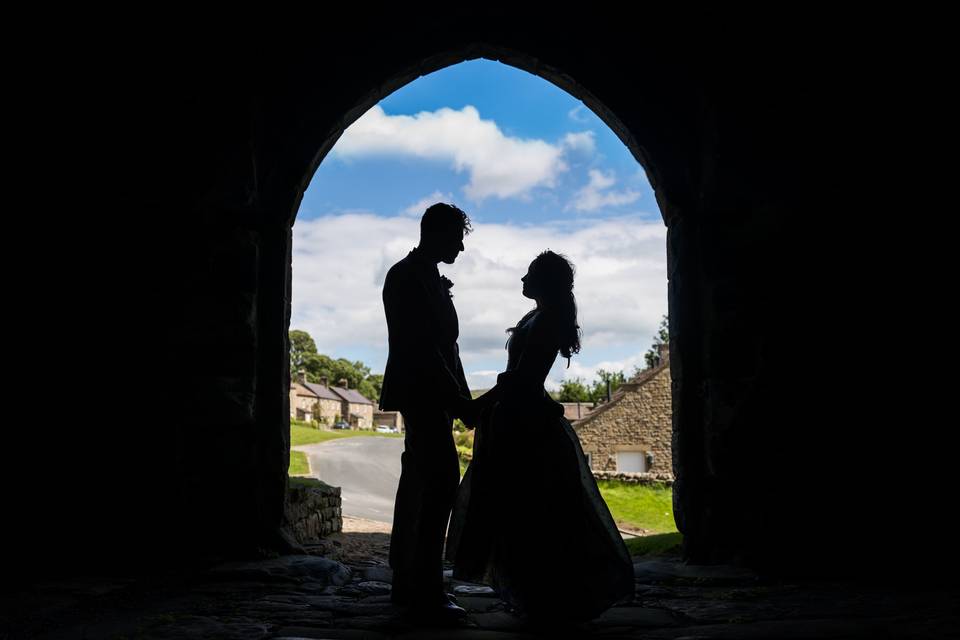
583 142
595 195
578 113
339 263
499 165
588 373
418 207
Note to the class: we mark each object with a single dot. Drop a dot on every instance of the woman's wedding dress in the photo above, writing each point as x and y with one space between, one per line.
529 520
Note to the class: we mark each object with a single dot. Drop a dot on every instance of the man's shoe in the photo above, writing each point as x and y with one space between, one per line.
437 613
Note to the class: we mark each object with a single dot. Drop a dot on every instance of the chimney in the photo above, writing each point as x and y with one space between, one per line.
663 352
323 381
302 377
343 383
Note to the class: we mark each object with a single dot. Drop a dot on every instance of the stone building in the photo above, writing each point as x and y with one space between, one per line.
302 402
388 419
327 405
632 432
574 411
355 408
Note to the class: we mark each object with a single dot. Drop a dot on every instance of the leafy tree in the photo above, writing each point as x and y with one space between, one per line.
573 391
301 344
576 390
303 355
375 382
652 356
599 391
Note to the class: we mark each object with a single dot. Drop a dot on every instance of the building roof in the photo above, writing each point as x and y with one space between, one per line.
321 391
351 395
576 410
301 390
339 394
632 384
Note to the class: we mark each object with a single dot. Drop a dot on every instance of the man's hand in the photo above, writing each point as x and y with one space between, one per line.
468 411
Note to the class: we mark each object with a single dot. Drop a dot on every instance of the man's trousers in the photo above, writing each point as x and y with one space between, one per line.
429 477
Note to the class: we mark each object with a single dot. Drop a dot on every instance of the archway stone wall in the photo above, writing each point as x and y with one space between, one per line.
207 149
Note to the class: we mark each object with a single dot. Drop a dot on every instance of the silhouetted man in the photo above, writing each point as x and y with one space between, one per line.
424 380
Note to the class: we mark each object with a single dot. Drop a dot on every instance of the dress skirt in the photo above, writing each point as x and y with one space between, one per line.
529 519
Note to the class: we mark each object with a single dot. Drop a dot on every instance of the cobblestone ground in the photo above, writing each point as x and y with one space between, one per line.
311 596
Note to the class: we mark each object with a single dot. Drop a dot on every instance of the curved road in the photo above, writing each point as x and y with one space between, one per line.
367 470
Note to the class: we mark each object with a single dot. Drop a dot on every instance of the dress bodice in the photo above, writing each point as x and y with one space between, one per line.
531 351
518 339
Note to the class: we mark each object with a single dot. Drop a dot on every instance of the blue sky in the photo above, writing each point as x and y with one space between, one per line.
533 168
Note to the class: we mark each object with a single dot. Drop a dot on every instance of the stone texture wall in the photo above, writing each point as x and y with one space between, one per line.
322 409
301 399
639 417
388 418
364 411
664 479
313 509
329 410
207 163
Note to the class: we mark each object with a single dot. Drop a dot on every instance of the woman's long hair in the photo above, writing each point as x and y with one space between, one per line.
554 277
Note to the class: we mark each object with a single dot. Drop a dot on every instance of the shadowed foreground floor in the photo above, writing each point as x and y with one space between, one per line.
311 596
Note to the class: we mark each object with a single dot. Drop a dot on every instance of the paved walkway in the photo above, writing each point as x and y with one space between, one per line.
366 468
309 596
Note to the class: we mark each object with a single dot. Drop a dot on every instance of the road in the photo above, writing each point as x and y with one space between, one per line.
367 470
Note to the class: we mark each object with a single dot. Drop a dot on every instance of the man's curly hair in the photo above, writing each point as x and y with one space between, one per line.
441 217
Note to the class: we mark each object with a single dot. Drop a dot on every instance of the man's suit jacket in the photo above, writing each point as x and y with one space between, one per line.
423 366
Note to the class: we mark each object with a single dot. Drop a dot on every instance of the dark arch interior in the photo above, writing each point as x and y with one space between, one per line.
166 439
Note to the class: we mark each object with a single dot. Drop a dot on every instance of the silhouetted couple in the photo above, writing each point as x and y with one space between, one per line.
528 519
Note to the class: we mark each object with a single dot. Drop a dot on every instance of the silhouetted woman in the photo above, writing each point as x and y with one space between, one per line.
529 520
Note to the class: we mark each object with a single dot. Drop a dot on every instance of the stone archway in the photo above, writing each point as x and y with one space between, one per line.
213 146
467 52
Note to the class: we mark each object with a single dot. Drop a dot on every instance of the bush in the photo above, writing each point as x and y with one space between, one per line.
463 439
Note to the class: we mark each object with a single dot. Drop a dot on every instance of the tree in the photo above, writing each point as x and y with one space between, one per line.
303 355
301 344
599 391
576 391
573 391
652 356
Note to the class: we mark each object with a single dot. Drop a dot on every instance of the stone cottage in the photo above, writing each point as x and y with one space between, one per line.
355 408
632 432
328 404
574 411
391 419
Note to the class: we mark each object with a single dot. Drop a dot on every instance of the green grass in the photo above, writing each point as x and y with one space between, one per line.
298 464
656 545
639 506
301 433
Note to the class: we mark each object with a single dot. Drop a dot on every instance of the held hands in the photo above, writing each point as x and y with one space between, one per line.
471 411
468 411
